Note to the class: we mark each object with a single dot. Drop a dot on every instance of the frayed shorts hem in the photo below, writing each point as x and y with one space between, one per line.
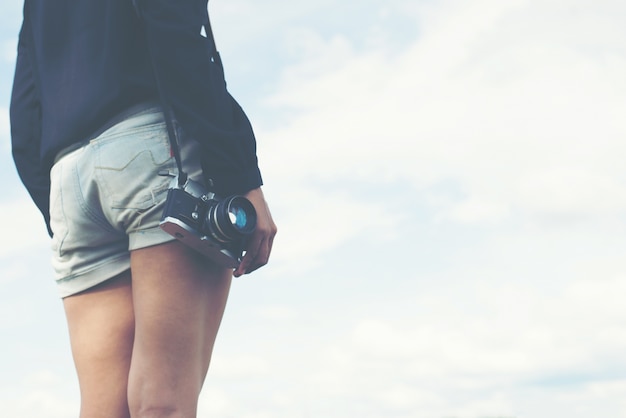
82 281
147 238
79 282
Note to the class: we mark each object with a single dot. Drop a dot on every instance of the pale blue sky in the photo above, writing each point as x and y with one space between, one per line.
449 185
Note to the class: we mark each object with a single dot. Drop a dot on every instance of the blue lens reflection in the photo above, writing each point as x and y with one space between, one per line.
238 217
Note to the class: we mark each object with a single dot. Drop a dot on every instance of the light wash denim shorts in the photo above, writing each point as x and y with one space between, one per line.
106 198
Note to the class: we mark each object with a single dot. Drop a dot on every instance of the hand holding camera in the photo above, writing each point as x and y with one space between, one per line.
216 227
259 243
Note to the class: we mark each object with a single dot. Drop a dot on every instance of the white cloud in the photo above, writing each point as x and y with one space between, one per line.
8 50
519 339
5 129
314 223
468 342
240 366
494 96
542 307
40 394
520 114
277 313
476 210
573 191
24 227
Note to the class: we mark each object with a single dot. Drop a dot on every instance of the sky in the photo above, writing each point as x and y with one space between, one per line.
448 181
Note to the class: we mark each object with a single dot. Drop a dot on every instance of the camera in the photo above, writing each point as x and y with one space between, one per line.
216 227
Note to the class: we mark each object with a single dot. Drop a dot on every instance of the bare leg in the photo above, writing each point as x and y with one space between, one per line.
101 326
179 299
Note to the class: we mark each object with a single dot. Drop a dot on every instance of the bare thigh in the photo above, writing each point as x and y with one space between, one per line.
179 299
101 327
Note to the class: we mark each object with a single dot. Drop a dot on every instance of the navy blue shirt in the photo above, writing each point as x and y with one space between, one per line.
81 63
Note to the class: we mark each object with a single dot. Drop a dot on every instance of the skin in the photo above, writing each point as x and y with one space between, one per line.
260 244
142 341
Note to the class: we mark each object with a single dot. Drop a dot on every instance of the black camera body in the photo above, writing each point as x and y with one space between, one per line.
216 227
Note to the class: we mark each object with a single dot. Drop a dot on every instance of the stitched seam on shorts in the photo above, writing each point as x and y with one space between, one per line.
92 267
89 213
61 206
128 132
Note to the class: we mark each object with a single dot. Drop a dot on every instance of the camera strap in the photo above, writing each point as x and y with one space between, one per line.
170 121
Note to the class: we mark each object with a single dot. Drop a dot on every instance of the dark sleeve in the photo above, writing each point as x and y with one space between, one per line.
192 80
26 126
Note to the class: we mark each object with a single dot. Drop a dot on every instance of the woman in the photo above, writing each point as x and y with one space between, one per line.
89 141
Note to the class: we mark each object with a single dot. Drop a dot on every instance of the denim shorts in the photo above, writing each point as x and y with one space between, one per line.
107 197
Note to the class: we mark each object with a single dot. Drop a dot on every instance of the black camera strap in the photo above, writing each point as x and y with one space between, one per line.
170 121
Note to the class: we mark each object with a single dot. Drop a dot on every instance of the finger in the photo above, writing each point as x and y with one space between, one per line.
264 251
251 252
261 258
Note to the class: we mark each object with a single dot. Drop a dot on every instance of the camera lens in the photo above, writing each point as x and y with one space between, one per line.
231 218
